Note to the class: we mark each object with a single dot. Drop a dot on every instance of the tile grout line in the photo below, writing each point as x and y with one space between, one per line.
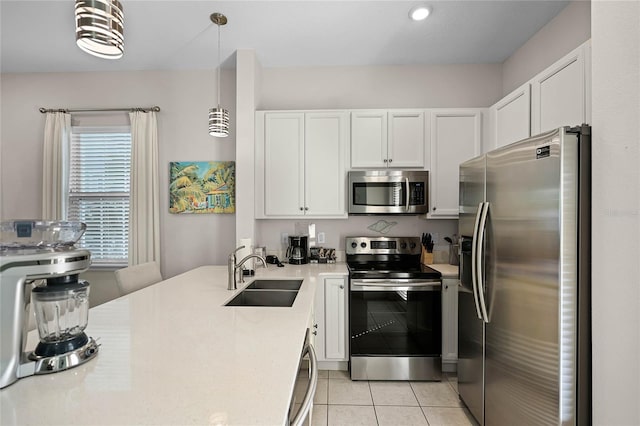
418 400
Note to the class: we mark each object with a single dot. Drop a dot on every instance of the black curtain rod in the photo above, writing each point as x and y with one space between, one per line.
153 108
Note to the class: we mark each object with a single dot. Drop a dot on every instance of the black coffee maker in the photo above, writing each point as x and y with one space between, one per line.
297 252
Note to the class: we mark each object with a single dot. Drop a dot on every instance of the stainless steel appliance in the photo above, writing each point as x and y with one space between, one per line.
301 405
298 250
388 192
38 260
395 311
524 302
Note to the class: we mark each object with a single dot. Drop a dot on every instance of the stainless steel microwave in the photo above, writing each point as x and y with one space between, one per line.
388 192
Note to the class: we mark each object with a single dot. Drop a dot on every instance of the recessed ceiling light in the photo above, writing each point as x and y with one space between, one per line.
419 13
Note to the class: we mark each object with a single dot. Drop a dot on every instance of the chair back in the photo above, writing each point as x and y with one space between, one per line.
136 277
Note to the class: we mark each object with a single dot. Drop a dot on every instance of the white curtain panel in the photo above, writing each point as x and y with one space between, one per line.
144 211
57 131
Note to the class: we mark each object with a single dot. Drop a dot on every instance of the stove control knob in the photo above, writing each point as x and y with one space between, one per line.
363 245
354 244
412 245
403 245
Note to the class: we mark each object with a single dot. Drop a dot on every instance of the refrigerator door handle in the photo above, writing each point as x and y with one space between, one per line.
474 249
479 263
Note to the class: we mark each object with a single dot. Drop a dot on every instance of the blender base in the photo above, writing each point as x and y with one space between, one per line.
52 364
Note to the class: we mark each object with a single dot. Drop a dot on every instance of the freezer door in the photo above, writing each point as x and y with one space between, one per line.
470 355
530 290
470 326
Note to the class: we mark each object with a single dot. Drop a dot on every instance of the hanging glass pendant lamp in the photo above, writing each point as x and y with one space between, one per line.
219 117
100 28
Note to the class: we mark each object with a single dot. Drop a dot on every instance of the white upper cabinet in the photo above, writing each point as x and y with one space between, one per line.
406 139
511 117
284 164
561 93
369 139
387 138
301 164
325 165
455 138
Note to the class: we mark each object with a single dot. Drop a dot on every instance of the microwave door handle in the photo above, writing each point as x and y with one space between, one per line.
481 235
408 194
474 243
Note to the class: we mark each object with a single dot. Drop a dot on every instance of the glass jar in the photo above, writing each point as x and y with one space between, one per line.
62 309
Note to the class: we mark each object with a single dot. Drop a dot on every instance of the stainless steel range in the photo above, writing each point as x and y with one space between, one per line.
395 316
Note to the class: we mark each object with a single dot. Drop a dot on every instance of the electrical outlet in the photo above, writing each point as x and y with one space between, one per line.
436 238
284 238
320 237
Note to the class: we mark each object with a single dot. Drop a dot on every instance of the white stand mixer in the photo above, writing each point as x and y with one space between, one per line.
36 250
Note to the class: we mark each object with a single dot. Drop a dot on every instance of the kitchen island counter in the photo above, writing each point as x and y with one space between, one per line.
173 354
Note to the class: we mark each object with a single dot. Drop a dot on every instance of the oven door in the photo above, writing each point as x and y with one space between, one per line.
396 329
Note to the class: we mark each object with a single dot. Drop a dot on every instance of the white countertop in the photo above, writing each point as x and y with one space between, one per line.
447 271
173 354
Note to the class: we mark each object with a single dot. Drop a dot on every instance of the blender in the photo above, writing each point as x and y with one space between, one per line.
38 261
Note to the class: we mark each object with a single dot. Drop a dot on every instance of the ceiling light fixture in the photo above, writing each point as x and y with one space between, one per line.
419 13
99 28
219 117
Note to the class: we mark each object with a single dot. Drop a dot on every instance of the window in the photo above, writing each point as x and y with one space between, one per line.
99 175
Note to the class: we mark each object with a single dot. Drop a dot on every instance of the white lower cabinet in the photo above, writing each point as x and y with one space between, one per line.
330 325
449 324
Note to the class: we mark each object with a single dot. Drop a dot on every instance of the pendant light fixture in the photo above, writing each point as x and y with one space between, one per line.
100 28
219 117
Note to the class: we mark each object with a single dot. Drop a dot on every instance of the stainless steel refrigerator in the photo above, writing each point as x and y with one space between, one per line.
524 338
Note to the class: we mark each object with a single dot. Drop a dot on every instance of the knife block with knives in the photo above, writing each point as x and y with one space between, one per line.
426 256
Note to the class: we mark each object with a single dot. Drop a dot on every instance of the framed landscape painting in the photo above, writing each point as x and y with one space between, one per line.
199 187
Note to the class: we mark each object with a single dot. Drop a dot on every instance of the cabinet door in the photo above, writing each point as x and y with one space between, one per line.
335 296
406 139
512 117
559 94
368 139
318 327
284 164
449 324
326 136
455 138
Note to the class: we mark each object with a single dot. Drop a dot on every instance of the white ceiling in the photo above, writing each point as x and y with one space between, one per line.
39 36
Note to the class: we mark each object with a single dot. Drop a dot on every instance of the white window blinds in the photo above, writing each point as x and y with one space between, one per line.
99 174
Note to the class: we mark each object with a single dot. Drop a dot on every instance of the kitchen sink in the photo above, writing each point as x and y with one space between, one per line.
276 284
263 297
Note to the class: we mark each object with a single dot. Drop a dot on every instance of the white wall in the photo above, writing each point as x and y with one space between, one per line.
570 28
444 86
616 212
185 97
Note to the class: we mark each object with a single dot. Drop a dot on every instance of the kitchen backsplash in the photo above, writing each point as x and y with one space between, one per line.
331 233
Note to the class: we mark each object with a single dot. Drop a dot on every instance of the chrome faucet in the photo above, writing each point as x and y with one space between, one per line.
235 268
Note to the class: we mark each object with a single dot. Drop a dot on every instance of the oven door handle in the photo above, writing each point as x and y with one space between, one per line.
398 284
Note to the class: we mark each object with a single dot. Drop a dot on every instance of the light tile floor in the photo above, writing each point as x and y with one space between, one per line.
340 401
